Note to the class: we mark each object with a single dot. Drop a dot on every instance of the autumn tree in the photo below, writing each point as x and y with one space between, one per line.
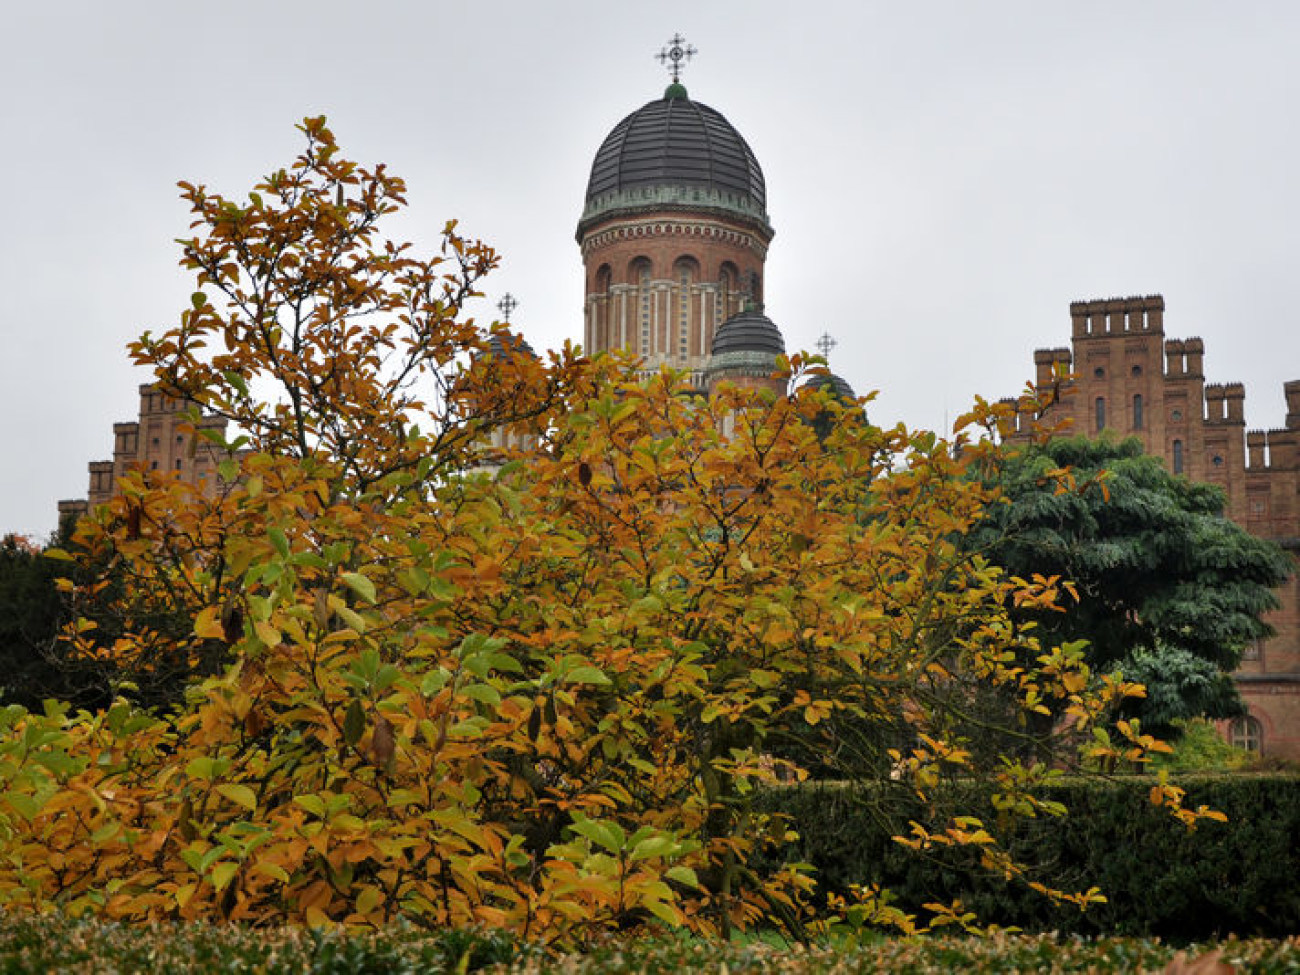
537 695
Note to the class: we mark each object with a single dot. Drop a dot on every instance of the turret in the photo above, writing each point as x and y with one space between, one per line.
745 350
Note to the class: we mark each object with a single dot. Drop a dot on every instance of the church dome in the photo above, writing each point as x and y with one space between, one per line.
748 331
674 153
838 387
503 344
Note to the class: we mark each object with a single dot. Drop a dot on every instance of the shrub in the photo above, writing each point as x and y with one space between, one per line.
1159 878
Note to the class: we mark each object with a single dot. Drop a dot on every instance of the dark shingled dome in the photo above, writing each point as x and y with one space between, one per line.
838 386
503 344
748 331
676 143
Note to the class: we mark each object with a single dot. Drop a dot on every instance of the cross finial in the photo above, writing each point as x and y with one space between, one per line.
507 305
825 344
672 56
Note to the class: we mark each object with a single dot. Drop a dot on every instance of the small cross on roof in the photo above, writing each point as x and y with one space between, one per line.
506 306
825 344
672 56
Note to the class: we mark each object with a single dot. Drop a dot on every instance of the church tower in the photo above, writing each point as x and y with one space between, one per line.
674 231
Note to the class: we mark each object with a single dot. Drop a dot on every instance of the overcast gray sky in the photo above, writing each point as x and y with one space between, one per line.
944 177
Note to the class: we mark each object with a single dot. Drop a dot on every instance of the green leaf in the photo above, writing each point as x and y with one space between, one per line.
654 846
313 804
236 381
434 681
665 912
354 723
105 833
223 873
683 875
351 617
240 795
587 675
483 693
360 585
279 540
607 835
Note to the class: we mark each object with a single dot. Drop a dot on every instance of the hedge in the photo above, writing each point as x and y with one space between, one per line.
1240 877
51 944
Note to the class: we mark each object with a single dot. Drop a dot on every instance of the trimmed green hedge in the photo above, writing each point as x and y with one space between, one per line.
1241 877
52 943
57 945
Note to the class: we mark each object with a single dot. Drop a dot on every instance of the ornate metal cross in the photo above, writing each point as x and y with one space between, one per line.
672 56
825 344
507 305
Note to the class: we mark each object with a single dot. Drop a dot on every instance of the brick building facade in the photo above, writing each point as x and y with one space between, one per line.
1129 378
159 439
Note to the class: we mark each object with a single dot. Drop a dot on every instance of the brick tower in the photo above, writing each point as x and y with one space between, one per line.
674 231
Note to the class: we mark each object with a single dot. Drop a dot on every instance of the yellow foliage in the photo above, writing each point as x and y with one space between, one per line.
536 697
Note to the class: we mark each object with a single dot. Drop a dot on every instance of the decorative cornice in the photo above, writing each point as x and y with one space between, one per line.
761 364
684 199
661 224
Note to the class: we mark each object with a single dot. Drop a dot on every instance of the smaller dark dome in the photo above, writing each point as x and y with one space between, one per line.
503 344
748 331
838 387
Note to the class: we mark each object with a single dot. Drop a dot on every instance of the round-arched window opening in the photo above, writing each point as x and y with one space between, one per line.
1137 370
1099 372
1247 733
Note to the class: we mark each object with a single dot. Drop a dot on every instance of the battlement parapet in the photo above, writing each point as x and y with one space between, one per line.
1292 392
1049 364
1117 316
1283 449
1175 357
1225 403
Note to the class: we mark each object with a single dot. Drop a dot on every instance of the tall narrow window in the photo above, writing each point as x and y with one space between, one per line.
1101 413
643 280
1178 456
685 278
602 338
1137 412
726 287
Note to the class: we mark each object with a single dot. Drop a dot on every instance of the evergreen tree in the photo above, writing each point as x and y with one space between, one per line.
1168 589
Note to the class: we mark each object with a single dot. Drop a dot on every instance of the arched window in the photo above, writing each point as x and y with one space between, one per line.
1178 456
1246 732
641 275
600 326
727 279
1137 412
685 273
1100 408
